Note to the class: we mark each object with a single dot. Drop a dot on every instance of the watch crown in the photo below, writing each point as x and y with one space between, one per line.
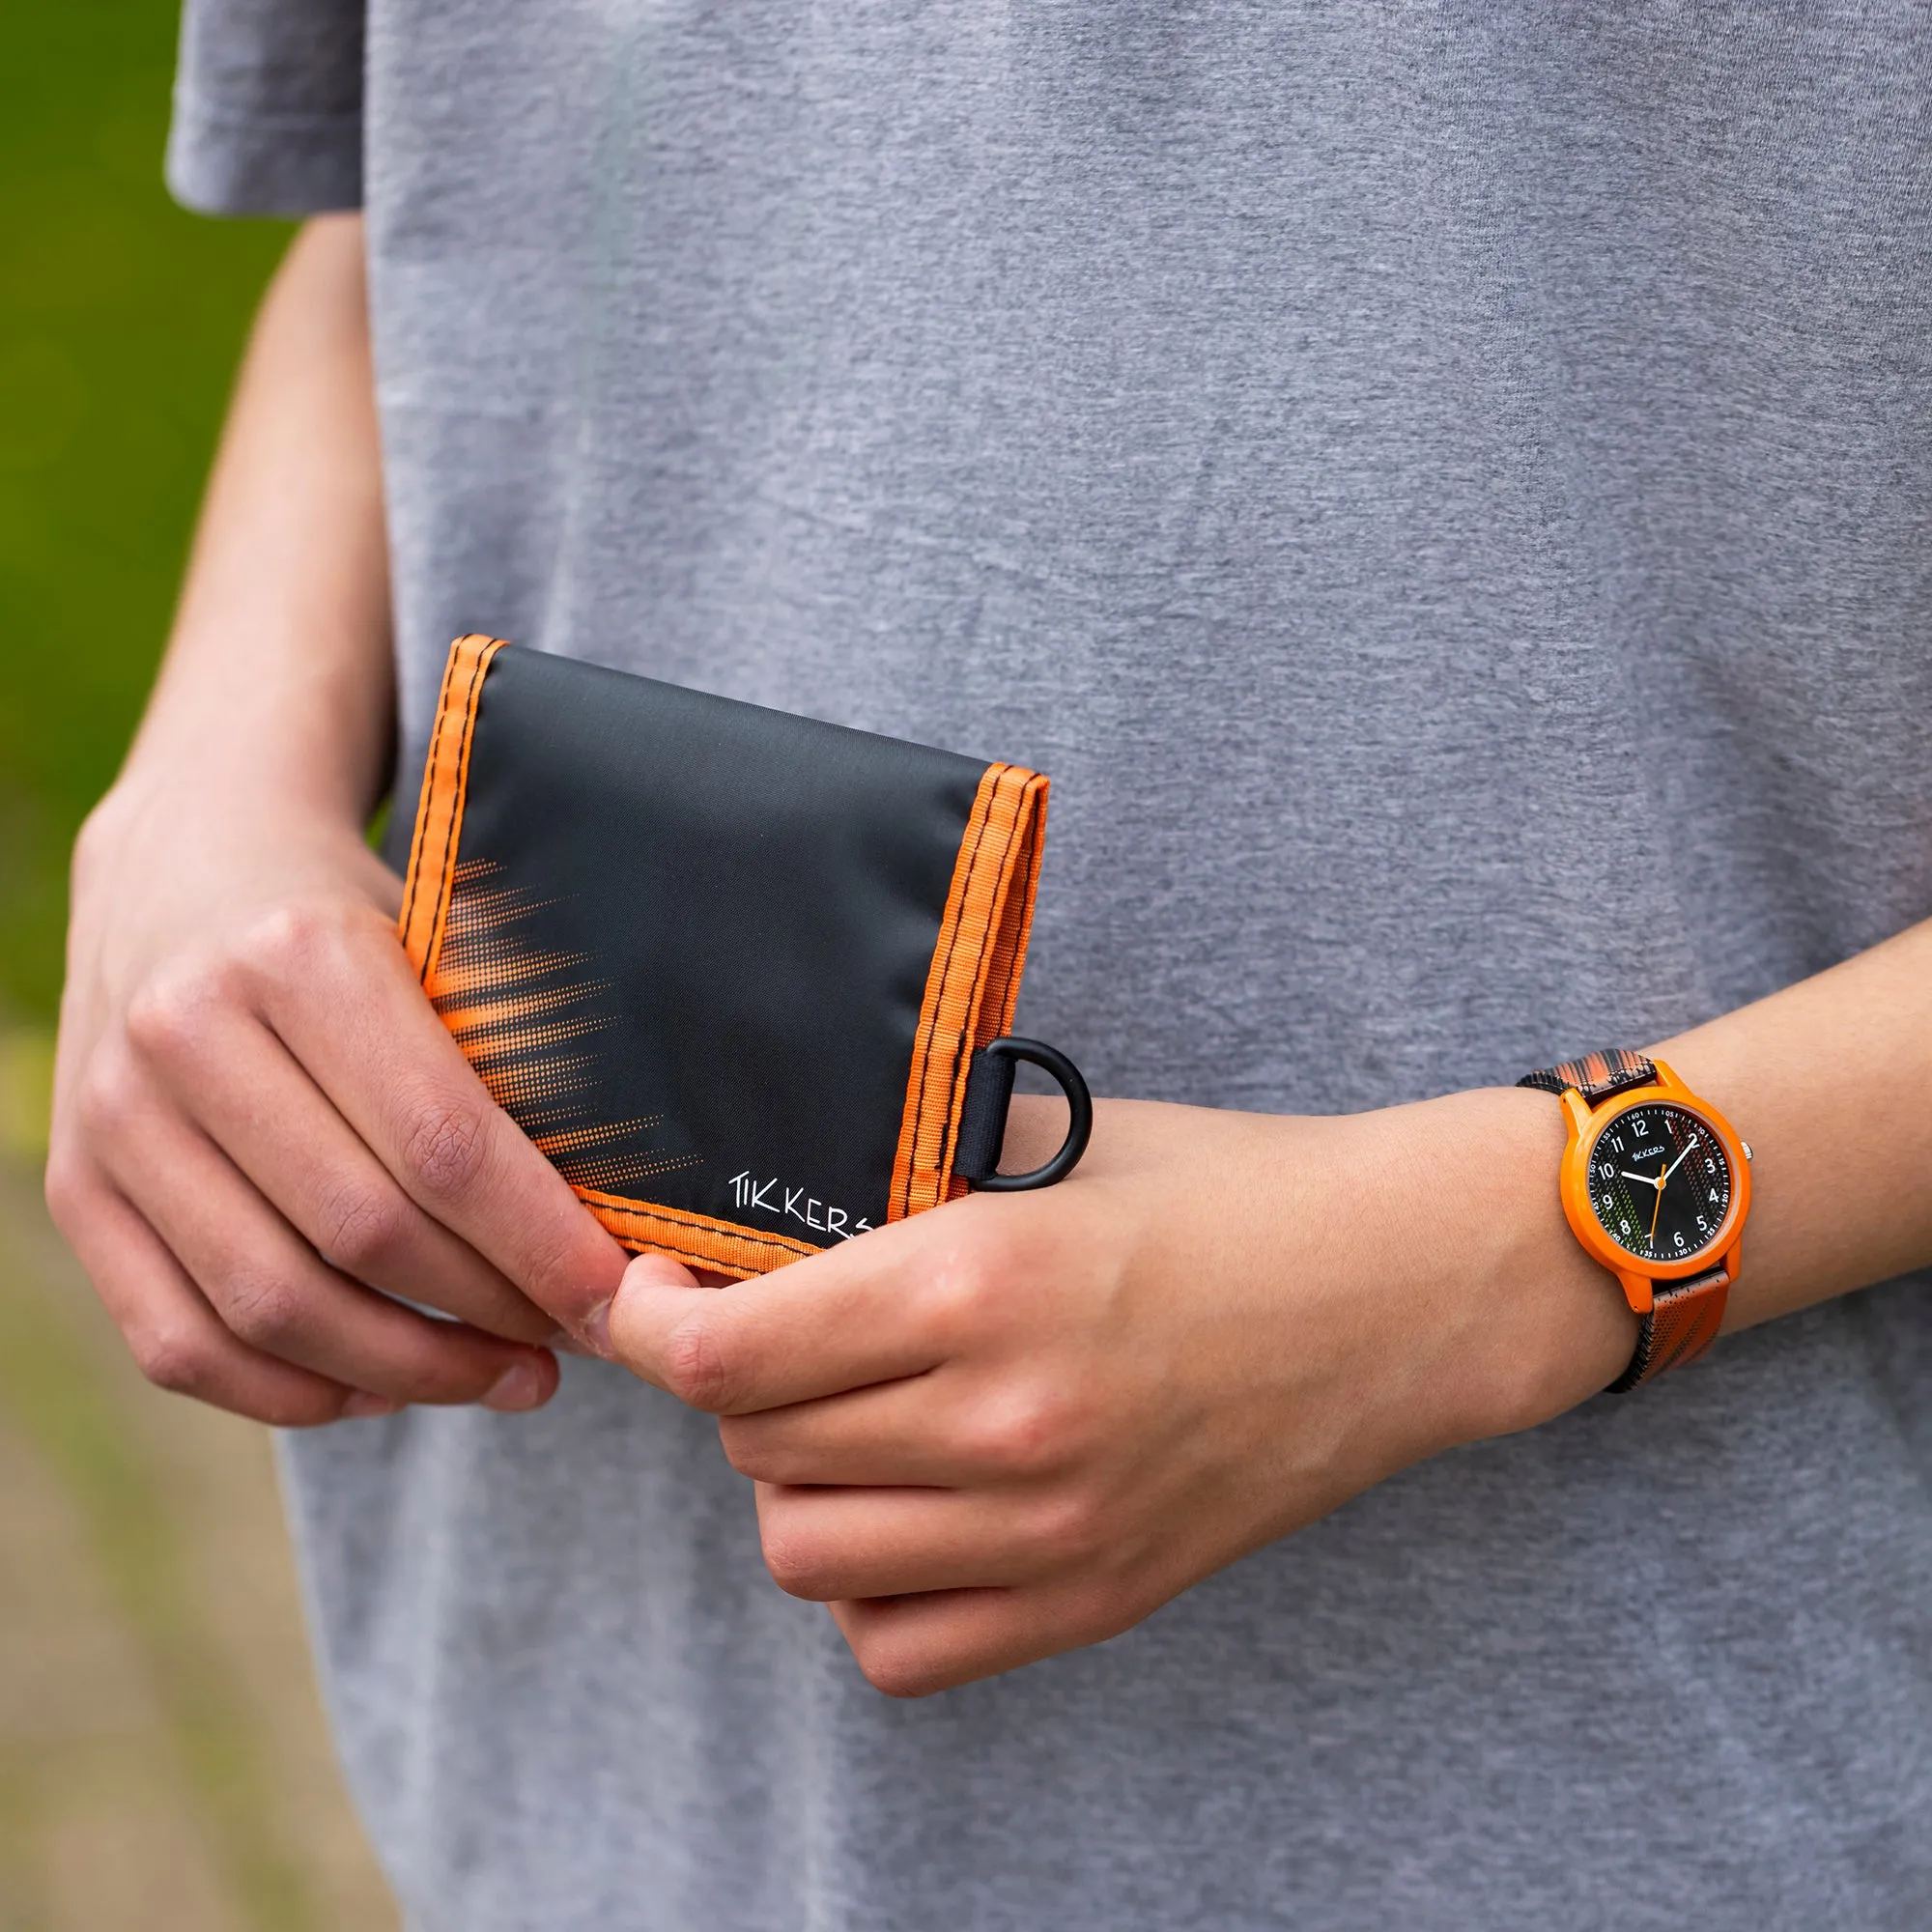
1746 1145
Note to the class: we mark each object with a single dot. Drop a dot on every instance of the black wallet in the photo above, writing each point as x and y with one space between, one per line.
743 977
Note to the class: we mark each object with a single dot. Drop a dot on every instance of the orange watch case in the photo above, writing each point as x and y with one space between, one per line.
1635 1274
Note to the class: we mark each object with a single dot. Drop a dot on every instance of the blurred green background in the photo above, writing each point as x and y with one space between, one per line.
162 1762
119 320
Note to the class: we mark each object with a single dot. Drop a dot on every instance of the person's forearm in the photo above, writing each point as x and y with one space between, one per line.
277 685
1827 1080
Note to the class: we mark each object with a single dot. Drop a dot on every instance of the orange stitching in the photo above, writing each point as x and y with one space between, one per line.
971 1038
1012 907
448 725
637 1244
699 1223
423 801
1015 959
459 798
988 914
445 787
708 1243
913 1118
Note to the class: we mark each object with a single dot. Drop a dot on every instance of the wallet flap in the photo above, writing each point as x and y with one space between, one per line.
726 967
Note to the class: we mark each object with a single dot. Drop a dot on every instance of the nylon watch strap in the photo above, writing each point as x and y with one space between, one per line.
1597 1076
1682 1323
1684 1315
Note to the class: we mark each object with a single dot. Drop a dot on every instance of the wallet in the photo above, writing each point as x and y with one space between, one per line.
743 977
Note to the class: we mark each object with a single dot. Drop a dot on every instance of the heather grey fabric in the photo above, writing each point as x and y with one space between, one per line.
1445 491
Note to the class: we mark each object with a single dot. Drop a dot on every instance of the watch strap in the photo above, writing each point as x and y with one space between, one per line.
1597 1076
1682 1323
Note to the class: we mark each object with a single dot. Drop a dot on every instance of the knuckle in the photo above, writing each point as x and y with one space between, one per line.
759 1452
108 1096
1067 1527
797 1567
697 1368
1101 1611
359 1228
747 1453
93 847
169 1018
899 1670
262 1307
554 1264
169 1357
969 1291
1027 1432
287 940
63 1186
293 1410
446 1146
957 1299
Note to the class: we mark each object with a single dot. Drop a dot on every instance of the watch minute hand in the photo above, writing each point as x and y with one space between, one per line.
1678 1161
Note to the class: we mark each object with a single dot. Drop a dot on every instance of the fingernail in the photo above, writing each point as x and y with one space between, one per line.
568 1343
595 1329
359 1405
518 1387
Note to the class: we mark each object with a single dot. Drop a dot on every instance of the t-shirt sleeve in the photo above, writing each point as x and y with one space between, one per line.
268 113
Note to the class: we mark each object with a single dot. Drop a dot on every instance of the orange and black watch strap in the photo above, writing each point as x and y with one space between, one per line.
1597 1076
1683 1321
1685 1316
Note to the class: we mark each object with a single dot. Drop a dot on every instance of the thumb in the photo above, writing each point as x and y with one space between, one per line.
648 1278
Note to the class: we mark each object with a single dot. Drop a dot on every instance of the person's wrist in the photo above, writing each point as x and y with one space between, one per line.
289 784
166 860
158 806
1564 1331
1538 1326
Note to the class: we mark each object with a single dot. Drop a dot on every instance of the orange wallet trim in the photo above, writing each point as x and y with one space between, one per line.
695 1239
425 916
974 984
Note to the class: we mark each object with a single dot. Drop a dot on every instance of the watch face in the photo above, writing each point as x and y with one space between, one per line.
1659 1181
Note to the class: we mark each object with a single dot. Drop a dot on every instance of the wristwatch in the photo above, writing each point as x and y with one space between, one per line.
1656 1184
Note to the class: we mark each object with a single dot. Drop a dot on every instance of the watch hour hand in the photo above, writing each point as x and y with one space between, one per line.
1648 1179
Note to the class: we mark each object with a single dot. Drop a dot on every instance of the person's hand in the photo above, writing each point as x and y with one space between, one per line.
263 1134
1020 1423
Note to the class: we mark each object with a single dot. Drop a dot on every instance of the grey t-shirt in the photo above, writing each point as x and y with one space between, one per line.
1445 492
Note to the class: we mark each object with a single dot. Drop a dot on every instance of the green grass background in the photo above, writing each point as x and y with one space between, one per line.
120 319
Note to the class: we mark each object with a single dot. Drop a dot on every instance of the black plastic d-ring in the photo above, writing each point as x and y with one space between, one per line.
1079 1107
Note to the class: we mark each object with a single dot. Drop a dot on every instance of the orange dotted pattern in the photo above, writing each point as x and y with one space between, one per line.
527 1019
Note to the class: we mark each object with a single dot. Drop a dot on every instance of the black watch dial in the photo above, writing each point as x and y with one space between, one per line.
1659 1181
